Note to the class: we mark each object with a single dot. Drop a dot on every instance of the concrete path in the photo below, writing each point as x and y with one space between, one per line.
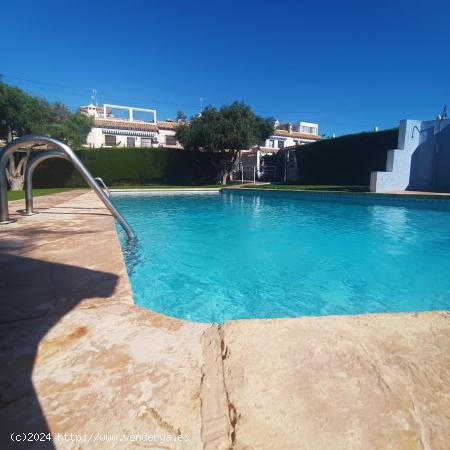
83 363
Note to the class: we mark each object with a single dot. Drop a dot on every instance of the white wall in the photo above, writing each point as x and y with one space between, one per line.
314 126
288 141
421 161
96 139
162 138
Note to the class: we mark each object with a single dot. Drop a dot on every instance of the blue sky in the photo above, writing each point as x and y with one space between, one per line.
349 65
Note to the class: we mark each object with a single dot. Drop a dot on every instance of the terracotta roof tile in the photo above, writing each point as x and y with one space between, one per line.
166 125
134 125
297 134
125 125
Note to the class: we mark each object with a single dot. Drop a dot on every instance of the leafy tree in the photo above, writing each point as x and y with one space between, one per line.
22 113
59 110
226 131
72 129
181 116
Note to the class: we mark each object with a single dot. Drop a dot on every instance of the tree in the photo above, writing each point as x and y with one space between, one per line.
227 131
72 129
181 116
22 113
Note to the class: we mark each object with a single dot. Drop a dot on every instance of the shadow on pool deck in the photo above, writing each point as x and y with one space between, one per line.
24 321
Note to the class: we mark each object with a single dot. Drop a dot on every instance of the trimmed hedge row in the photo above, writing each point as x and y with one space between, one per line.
346 160
131 166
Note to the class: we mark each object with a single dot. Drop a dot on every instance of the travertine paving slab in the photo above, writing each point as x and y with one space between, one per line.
78 359
347 382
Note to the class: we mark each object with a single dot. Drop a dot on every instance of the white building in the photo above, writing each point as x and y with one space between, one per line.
284 137
289 135
125 126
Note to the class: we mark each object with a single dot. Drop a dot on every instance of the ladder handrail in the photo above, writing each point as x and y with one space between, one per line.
103 184
29 141
32 164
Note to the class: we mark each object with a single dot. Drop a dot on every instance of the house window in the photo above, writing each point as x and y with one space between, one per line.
110 140
271 143
170 140
131 142
280 144
146 142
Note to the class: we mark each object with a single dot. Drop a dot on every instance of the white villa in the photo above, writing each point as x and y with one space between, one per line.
289 135
126 126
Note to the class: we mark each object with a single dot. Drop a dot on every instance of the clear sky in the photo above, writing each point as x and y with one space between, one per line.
349 65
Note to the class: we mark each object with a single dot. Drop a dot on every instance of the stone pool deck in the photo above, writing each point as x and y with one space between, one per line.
77 356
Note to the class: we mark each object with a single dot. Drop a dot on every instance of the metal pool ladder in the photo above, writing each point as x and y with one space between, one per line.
105 188
62 151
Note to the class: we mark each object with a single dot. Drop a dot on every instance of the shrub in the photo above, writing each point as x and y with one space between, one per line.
346 160
131 166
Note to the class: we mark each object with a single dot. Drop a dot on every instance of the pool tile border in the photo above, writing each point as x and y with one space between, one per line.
440 202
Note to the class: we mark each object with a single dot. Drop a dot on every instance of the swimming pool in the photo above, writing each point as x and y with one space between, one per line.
218 256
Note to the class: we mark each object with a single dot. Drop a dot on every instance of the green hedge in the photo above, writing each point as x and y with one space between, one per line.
131 166
346 160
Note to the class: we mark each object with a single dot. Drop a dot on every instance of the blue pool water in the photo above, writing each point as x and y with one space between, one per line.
222 256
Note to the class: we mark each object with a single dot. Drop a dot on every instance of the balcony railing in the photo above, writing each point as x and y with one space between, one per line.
121 119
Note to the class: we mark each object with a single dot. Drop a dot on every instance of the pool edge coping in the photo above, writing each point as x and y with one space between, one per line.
415 195
407 195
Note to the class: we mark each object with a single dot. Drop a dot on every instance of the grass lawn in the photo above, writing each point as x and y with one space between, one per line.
305 187
17 195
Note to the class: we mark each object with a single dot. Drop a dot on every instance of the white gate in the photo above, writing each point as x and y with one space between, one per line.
253 174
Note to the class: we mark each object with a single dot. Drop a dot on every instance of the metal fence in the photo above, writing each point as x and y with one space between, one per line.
253 173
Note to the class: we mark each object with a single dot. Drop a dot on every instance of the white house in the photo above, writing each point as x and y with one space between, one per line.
126 126
289 135
285 137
